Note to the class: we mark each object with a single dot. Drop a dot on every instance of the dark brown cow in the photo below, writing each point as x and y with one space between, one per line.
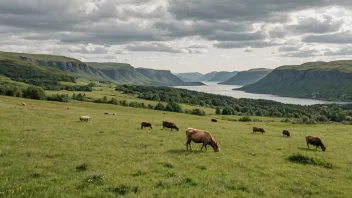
200 136
315 141
256 129
285 133
169 125
146 124
214 120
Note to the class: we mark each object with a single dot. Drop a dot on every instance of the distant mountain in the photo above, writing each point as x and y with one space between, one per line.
65 67
207 76
317 80
190 77
247 77
223 76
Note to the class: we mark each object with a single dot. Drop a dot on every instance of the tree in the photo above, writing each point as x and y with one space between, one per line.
34 93
218 111
159 107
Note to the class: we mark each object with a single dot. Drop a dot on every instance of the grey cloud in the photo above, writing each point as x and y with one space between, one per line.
338 38
313 25
156 47
252 44
302 53
242 10
89 49
288 48
341 52
225 36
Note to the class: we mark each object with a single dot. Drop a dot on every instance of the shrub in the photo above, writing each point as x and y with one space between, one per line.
245 119
34 93
59 98
302 159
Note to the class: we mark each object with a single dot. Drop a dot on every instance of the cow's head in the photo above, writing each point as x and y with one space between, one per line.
216 146
323 148
175 127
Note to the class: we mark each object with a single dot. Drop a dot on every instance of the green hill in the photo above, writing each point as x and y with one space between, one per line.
247 77
31 67
207 76
223 76
190 77
317 80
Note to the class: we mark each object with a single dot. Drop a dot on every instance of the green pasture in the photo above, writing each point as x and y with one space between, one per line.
45 151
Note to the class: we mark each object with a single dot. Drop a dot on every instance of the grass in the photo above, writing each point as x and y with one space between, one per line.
45 151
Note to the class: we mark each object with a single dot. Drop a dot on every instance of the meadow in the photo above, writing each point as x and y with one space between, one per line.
45 151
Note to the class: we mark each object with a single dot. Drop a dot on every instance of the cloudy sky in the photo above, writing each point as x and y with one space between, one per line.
181 35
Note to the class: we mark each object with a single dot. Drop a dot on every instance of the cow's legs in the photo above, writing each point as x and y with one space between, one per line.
188 143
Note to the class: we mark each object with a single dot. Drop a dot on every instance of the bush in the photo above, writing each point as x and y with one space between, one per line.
196 112
34 93
245 119
159 107
59 98
302 159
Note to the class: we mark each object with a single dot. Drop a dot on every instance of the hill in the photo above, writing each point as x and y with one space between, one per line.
317 80
65 69
190 77
247 77
207 76
222 76
126 74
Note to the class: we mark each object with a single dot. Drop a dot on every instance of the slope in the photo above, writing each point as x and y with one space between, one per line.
223 76
207 76
318 80
247 77
190 77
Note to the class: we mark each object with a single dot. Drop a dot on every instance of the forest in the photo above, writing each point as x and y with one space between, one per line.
226 105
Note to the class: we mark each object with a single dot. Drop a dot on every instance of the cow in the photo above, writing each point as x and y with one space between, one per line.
201 136
114 114
23 104
285 133
315 141
169 125
107 113
84 118
214 120
146 124
256 129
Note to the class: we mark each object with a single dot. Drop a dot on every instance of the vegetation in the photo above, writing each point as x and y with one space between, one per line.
45 151
318 80
247 77
230 106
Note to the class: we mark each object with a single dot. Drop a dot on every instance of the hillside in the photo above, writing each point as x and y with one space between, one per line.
60 67
247 77
126 74
207 76
318 80
190 77
222 76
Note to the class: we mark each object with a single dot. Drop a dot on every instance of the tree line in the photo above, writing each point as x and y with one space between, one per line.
226 105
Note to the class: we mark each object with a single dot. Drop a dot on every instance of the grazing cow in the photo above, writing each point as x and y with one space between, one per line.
256 129
285 133
200 136
214 120
114 114
169 125
84 118
23 104
107 113
146 124
315 141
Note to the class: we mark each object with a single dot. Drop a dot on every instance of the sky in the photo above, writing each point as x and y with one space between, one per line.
181 35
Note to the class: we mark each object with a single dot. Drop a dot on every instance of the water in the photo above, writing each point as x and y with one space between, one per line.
214 88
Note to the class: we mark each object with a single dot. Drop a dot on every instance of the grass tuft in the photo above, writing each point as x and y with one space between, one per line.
302 159
95 177
82 167
123 189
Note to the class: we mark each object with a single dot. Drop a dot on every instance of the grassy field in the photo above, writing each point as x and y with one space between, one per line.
45 151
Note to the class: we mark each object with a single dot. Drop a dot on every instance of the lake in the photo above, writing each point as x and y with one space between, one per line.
214 88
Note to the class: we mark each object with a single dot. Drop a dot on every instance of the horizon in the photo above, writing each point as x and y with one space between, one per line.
178 35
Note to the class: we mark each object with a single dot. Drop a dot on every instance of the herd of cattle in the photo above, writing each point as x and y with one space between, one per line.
205 137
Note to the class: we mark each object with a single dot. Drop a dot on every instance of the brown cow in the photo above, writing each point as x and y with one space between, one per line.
285 133
256 129
169 125
200 136
214 120
315 141
146 124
